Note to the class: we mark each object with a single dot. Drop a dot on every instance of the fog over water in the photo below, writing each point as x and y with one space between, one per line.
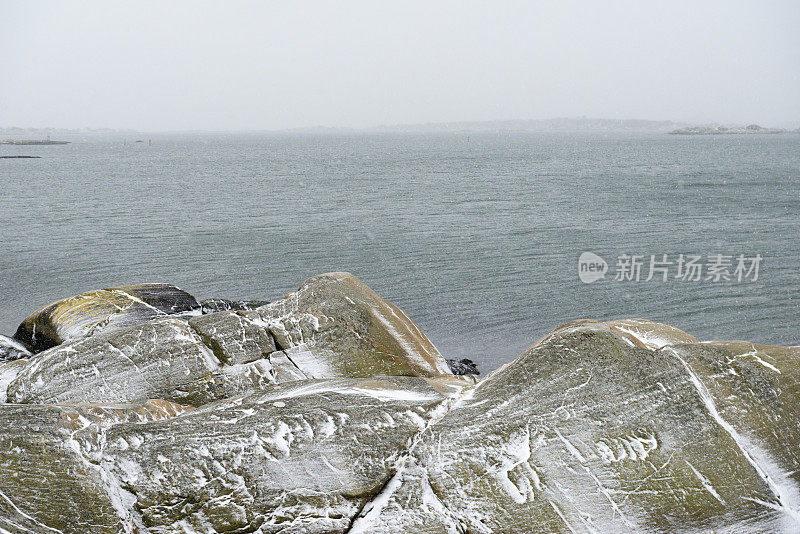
272 65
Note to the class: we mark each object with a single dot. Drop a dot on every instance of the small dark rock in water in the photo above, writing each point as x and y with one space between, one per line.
218 305
20 157
465 366
11 349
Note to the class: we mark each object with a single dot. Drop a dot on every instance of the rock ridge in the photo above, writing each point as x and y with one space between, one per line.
328 410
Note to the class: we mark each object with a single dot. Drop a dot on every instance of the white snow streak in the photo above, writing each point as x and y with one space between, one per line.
778 481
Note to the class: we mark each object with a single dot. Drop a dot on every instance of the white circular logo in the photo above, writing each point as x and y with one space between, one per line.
591 267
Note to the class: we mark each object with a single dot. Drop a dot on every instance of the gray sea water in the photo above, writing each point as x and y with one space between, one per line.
476 237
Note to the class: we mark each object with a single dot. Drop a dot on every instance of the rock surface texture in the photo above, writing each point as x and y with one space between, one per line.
329 411
102 310
11 349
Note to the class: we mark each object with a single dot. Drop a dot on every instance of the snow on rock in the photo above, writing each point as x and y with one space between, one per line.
101 310
334 326
587 433
754 393
49 482
11 349
8 372
234 338
346 329
650 335
159 359
217 305
329 411
302 457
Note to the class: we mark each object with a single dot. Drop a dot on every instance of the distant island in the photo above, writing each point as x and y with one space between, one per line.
580 124
725 130
32 142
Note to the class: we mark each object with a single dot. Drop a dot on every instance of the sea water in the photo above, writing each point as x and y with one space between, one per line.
476 236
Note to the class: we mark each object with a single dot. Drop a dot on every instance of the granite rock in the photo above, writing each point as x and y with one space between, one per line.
335 325
329 411
11 349
217 305
49 480
590 432
101 310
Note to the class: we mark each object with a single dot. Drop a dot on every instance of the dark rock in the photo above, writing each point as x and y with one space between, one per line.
102 310
464 366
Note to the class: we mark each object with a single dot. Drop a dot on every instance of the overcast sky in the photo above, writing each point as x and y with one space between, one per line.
271 65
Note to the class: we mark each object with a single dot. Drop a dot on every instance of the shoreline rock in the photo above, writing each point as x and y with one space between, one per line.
11 349
329 411
101 310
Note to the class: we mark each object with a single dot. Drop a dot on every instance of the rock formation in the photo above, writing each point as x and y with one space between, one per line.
216 305
329 411
11 349
102 310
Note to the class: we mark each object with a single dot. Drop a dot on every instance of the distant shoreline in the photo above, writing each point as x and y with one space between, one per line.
32 142
729 130
17 135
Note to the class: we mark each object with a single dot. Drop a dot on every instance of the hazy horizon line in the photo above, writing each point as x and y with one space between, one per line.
397 126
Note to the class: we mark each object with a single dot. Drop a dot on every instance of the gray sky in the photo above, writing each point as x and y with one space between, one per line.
268 65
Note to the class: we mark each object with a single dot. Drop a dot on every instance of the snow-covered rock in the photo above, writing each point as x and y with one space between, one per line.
335 325
586 432
50 480
11 349
234 338
329 411
101 310
217 305
159 359
301 457
298 457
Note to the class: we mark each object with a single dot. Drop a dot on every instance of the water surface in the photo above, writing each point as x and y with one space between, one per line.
477 238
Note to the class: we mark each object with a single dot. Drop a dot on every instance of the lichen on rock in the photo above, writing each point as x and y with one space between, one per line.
338 326
101 310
